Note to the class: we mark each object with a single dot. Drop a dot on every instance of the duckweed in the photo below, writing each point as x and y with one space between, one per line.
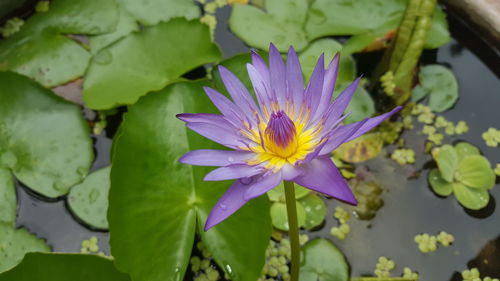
491 137
429 243
383 267
403 156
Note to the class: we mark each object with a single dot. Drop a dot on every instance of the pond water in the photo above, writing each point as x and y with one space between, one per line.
410 206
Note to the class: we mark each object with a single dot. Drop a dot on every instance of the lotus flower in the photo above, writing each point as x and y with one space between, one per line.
286 134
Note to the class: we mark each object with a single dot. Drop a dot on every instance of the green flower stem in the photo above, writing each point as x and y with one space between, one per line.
293 229
383 279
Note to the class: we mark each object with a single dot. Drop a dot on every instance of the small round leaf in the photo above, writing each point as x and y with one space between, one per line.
315 209
279 216
322 261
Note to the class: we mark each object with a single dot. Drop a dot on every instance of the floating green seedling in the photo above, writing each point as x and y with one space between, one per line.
463 172
89 200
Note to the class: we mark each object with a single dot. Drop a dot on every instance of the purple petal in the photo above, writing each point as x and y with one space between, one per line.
315 86
215 119
219 134
234 197
339 105
235 171
321 175
239 93
373 122
212 157
290 172
294 79
341 135
262 185
261 67
225 106
277 71
328 87
261 88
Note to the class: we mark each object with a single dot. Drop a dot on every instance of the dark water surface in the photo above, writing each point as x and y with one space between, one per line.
410 206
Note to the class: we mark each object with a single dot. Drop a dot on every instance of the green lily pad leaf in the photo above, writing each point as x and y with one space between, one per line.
147 61
367 18
147 12
50 143
439 83
322 261
315 209
362 149
41 50
475 171
464 149
151 12
64 267
438 184
277 194
89 200
281 23
309 57
8 202
361 105
279 216
14 244
471 198
173 196
447 161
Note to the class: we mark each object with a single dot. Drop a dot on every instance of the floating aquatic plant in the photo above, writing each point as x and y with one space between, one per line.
288 136
463 172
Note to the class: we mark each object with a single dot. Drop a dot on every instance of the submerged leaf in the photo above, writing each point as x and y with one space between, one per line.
89 200
14 244
156 203
322 261
147 61
362 149
49 144
64 267
471 198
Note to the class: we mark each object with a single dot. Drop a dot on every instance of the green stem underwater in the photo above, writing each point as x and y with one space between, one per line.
293 229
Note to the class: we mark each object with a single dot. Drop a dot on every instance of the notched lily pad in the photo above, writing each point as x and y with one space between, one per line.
64 267
49 145
89 200
147 61
315 209
41 50
322 261
279 216
14 244
8 202
439 83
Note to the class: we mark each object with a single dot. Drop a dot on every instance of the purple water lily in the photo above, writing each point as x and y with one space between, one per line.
287 135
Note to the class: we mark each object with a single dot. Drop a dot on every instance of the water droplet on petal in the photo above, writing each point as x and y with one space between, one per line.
230 159
223 206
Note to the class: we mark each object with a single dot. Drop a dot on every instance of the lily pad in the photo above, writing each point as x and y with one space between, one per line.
147 61
362 149
464 149
14 244
277 194
279 216
471 198
361 105
315 209
64 267
365 17
447 161
475 171
41 49
89 200
438 184
49 145
8 202
281 23
156 203
322 261
439 83
145 12
309 57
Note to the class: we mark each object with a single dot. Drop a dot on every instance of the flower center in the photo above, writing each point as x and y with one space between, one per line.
280 136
